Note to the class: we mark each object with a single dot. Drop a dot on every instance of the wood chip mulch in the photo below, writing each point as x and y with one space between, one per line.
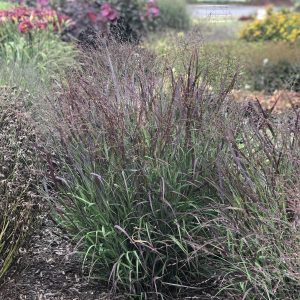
49 269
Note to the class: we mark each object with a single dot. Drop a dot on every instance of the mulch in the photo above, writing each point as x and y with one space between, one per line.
49 269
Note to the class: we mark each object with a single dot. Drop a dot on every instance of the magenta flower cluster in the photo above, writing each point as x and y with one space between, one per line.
109 13
152 9
27 18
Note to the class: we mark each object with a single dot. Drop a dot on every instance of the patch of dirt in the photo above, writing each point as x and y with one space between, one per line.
281 100
49 269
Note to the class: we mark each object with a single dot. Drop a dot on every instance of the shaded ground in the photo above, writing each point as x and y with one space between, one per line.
48 269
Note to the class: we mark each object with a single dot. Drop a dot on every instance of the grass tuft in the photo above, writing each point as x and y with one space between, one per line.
171 189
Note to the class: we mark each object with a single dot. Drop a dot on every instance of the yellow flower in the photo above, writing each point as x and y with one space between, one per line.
180 34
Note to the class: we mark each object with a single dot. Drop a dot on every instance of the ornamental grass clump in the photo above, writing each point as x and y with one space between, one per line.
20 176
169 188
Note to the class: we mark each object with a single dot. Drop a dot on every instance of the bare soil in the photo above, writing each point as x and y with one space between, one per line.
281 100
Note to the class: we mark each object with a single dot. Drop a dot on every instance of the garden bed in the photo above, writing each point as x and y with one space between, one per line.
168 174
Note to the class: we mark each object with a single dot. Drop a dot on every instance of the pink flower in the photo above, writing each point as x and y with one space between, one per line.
152 9
108 12
41 24
62 19
113 15
3 13
92 16
42 3
24 26
105 9
26 18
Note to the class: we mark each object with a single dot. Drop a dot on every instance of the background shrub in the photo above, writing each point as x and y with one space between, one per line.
269 67
173 14
270 77
276 26
266 66
127 20
20 175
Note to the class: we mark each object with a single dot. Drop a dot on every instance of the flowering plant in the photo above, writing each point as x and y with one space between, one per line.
26 19
276 26
126 18
32 36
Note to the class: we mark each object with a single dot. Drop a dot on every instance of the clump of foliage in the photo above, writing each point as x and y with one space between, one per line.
30 36
276 26
20 176
47 53
269 66
265 66
170 188
176 48
126 20
5 5
269 76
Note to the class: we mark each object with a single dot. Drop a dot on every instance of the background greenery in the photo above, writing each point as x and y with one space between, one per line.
174 14
5 5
